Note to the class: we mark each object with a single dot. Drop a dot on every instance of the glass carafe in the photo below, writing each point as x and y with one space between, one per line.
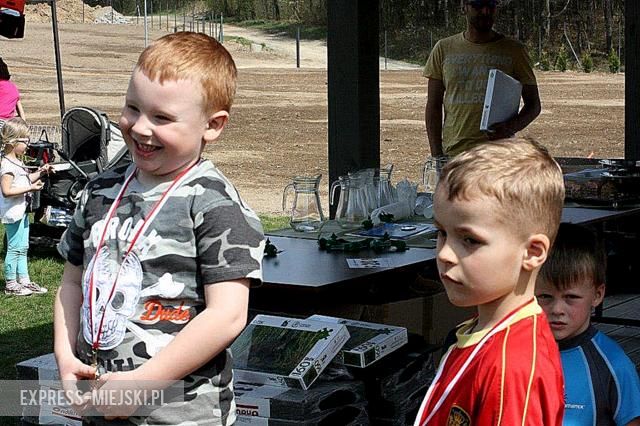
352 205
431 173
367 177
384 189
306 210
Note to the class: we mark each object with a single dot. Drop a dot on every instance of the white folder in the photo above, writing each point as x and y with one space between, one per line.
501 100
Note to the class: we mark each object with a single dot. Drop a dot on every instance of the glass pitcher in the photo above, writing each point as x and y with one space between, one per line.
385 192
367 176
431 173
306 210
352 205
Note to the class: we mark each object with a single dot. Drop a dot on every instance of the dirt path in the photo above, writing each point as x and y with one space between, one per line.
313 53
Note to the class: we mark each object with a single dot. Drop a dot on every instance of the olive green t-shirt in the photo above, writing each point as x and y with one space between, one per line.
463 67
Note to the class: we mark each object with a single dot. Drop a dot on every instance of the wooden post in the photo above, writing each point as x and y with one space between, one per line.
354 86
298 47
632 80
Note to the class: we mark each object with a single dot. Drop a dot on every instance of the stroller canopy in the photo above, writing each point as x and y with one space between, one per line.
87 134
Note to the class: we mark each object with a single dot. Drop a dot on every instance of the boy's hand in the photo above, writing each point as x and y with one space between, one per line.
118 382
71 371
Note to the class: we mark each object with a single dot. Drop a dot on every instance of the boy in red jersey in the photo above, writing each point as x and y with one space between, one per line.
497 208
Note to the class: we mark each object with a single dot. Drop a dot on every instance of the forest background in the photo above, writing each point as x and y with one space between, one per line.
560 34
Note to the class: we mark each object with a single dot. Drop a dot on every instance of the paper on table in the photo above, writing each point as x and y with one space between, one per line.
369 263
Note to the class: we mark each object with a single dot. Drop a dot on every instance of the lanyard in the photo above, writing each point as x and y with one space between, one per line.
504 323
145 224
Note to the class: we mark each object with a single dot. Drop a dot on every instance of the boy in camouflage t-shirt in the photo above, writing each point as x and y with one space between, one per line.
161 253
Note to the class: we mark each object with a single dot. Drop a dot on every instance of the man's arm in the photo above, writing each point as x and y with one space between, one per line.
433 116
528 113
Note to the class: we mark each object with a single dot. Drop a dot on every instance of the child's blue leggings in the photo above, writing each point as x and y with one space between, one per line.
15 263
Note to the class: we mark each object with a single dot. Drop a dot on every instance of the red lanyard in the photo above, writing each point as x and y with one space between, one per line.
146 222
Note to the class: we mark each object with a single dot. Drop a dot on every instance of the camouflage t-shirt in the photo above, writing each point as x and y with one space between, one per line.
204 234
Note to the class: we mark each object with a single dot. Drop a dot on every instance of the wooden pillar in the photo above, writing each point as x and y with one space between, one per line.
354 86
632 80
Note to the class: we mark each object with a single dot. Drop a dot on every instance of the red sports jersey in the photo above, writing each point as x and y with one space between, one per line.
513 376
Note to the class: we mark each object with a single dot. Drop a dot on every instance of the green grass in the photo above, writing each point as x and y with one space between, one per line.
271 223
26 323
240 40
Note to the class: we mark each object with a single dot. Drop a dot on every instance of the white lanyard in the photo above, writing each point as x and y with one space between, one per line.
496 329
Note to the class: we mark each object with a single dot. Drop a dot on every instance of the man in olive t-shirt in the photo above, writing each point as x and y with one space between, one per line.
457 69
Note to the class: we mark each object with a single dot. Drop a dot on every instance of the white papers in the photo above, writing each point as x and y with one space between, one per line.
369 263
59 167
501 100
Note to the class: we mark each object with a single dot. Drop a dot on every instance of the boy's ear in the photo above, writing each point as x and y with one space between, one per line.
536 251
599 295
215 125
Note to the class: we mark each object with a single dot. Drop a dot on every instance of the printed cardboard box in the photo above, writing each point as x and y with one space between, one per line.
42 368
50 414
348 415
398 375
285 351
257 400
368 341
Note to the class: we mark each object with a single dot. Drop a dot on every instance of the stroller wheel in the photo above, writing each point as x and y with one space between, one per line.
73 194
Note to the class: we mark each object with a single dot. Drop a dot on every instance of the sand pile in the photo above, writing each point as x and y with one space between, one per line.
108 15
67 11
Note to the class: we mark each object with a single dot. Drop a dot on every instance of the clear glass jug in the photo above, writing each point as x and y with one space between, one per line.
352 205
384 189
306 210
431 173
367 177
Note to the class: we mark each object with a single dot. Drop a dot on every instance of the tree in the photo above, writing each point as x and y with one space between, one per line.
607 9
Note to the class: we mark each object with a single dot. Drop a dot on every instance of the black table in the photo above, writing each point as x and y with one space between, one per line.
594 216
302 264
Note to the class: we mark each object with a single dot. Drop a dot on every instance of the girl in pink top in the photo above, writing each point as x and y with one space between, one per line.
10 104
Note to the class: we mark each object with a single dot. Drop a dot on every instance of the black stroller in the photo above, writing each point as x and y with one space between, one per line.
90 144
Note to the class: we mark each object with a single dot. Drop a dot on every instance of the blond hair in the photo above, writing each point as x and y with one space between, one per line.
14 128
196 57
519 174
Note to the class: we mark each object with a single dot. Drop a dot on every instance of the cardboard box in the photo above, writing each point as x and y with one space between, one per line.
355 414
285 351
397 376
256 400
42 368
368 342
51 414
